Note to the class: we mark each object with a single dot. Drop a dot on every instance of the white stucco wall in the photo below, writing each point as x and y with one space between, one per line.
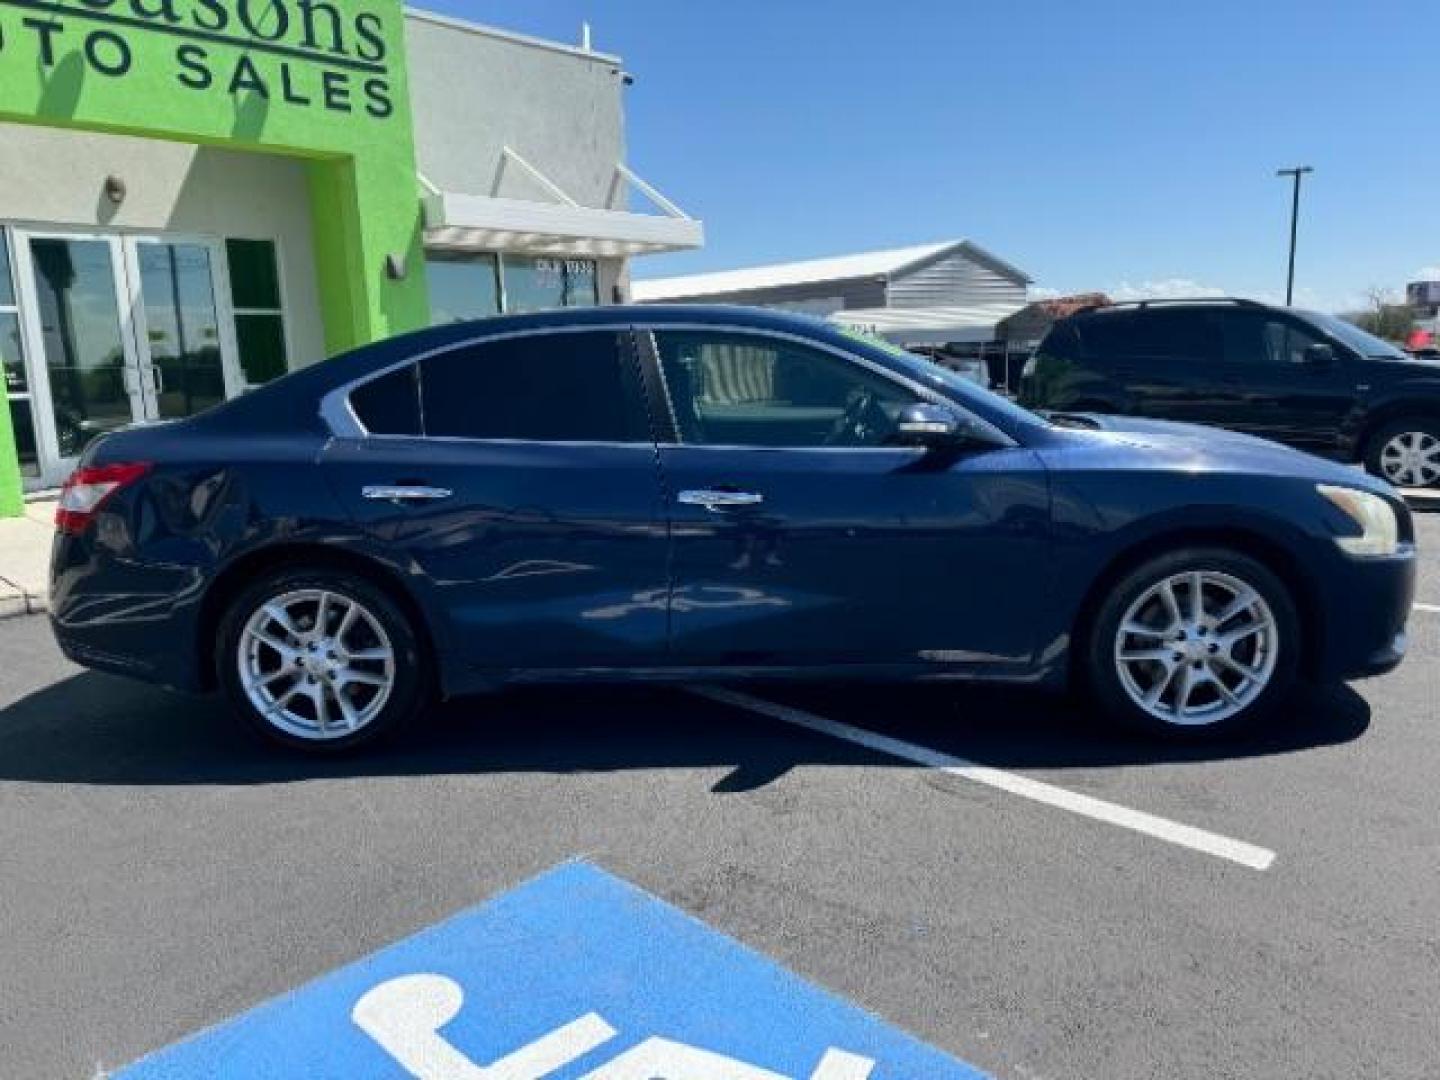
54 177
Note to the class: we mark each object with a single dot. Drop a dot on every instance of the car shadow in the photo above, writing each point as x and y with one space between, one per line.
96 729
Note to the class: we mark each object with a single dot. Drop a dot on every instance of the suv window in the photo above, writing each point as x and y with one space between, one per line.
1286 343
747 390
555 387
1162 334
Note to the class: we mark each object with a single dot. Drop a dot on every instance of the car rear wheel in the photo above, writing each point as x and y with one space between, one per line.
320 660
1406 453
1195 643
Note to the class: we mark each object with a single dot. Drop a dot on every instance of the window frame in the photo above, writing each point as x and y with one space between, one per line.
339 414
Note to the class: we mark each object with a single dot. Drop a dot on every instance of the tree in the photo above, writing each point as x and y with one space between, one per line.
1384 317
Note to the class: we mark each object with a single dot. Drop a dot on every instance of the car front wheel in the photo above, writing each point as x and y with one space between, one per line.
320 660
1195 643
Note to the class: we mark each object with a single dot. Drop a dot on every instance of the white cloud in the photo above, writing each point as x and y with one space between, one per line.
1427 273
1164 289
1043 292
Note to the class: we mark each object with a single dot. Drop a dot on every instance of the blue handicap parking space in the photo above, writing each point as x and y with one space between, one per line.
575 975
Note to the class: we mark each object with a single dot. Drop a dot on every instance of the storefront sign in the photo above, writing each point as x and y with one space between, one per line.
315 54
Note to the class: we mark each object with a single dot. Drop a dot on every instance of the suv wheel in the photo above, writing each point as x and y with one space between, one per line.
1196 643
320 660
1406 453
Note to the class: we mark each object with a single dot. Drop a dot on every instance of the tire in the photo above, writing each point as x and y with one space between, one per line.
1212 658
1390 453
379 670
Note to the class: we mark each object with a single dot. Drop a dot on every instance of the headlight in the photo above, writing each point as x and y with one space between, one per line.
1379 529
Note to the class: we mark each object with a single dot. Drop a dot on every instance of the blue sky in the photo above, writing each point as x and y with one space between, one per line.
1129 147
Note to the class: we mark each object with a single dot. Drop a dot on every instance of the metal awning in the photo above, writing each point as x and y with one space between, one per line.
928 326
464 222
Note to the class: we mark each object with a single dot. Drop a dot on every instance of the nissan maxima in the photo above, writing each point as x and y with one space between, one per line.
708 493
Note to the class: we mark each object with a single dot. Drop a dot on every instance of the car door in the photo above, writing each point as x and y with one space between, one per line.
1163 357
801 535
1282 391
515 480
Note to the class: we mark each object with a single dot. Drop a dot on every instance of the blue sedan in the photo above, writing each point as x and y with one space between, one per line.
716 493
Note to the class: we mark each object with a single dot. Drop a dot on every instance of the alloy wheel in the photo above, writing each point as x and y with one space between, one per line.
1411 459
316 664
1196 648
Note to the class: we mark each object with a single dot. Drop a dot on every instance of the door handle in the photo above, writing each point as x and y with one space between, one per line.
405 492
157 379
715 500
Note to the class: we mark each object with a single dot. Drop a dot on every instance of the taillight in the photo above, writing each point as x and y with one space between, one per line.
89 489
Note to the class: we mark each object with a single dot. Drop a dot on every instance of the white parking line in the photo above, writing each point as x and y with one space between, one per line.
1222 847
1433 609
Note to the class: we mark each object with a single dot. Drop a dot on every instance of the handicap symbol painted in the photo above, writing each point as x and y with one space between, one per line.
575 975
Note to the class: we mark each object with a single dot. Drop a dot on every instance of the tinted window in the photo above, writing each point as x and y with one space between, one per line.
1160 334
389 405
743 390
576 387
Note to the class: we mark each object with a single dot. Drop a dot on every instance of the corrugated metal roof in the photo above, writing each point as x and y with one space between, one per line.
838 268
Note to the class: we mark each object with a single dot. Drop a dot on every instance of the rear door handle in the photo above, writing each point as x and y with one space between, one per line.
716 500
405 492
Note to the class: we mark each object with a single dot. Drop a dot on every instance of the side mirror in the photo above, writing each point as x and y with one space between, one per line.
1319 355
926 424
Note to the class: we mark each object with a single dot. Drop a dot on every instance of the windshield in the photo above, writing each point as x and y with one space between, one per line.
1364 343
929 371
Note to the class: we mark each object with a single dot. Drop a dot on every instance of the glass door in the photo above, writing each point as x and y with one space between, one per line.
183 339
85 378
122 329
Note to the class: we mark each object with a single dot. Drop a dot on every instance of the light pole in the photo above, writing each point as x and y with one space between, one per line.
1297 173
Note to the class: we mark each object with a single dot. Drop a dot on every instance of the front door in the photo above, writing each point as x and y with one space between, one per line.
802 536
120 329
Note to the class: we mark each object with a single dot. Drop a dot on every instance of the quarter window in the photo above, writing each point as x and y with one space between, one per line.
389 405
259 317
575 387
742 390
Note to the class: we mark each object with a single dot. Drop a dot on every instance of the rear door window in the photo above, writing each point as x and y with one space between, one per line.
1158 335
549 387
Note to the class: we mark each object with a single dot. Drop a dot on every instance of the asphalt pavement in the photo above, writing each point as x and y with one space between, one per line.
1001 876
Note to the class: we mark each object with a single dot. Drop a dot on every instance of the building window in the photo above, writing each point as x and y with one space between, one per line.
539 284
12 361
477 285
462 286
259 316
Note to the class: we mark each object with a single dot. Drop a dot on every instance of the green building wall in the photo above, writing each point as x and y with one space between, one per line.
321 80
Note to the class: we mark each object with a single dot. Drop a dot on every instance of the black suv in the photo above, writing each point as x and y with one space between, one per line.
1308 379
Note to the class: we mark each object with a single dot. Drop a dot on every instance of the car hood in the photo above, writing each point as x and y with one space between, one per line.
1132 442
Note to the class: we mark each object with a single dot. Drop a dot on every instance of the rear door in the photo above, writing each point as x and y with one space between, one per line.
515 479
802 535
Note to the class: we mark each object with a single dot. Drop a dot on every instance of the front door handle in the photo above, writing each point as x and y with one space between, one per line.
405 492
715 500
